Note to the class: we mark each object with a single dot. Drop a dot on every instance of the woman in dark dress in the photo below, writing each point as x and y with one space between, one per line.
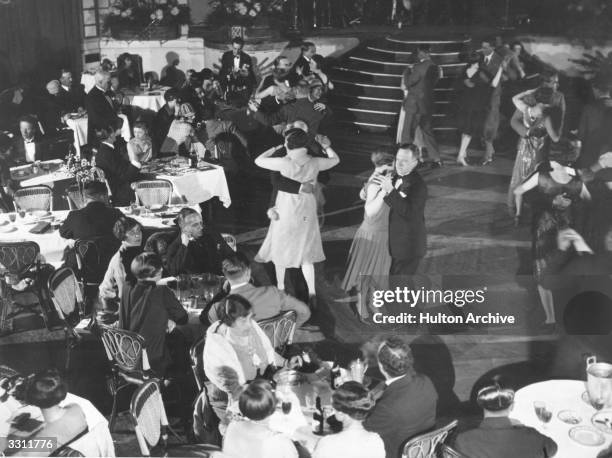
472 104
559 190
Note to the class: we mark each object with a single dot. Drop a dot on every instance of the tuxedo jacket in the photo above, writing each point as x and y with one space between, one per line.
100 111
227 65
19 150
303 63
406 408
119 172
420 82
407 236
96 219
73 98
489 71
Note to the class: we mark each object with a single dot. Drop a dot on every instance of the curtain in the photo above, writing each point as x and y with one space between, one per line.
37 39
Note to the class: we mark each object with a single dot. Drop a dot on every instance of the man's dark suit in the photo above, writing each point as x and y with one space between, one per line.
407 237
227 67
300 110
119 172
100 111
419 105
73 98
161 126
50 113
488 72
203 255
406 408
303 63
594 131
502 438
96 219
19 148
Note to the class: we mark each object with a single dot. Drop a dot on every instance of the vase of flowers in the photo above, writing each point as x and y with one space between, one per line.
83 171
256 19
146 19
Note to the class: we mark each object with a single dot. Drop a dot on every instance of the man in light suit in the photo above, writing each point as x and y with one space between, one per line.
407 406
405 194
267 301
418 85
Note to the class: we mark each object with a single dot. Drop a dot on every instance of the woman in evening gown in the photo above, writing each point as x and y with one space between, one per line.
369 259
294 239
560 191
535 128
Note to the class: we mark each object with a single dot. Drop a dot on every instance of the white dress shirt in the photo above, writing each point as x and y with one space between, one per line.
30 150
237 62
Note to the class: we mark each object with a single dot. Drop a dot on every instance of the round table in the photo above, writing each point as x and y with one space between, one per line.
153 100
558 395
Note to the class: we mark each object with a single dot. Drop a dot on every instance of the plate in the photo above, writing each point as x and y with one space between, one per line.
168 222
21 173
602 420
39 213
5 229
570 417
585 435
157 207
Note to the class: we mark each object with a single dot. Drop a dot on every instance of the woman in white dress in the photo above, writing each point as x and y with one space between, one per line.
352 403
369 254
294 239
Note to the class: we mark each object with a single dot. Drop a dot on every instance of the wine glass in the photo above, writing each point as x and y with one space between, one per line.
310 400
597 403
12 217
542 412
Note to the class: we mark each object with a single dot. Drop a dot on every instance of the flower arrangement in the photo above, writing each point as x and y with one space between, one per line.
141 13
83 170
245 12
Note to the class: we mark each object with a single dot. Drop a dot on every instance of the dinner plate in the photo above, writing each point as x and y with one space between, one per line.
39 213
570 417
585 435
6 229
602 420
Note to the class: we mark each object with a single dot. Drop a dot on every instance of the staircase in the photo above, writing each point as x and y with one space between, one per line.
367 92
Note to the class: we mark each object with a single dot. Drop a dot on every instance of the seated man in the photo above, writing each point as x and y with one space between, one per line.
52 109
72 95
30 145
500 436
198 249
267 301
164 117
407 406
117 168
96 219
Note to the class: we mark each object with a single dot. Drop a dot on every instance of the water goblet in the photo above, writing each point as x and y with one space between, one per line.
12 217
542 412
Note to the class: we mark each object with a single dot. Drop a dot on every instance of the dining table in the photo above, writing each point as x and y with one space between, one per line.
145 99
40 173
578 428
191 185
96 442
77 122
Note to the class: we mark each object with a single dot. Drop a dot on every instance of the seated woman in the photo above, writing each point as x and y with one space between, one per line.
236 350
46 390
352 403
150 310
140 148
182 133
129 232
254 438
500 436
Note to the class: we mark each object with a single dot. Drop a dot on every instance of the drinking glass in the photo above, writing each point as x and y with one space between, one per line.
597 403
542 412
12 217
22 213
310 400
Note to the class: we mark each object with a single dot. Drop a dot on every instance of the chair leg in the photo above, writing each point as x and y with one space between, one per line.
112 387
68 350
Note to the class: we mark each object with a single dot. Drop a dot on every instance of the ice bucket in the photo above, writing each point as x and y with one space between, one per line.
599 382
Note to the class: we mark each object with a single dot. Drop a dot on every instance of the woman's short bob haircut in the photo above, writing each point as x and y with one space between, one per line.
257 401
45 389
382 158
296 138
494 398
235 307
146 265
353 399
124 225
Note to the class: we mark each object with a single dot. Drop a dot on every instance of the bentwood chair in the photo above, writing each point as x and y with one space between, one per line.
230 240
427 445
151 424
65 293
129 362
197 363
74 197
33 198
280 329
153 192
446 451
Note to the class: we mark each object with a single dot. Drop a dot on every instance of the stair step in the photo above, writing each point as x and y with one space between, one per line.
344 85
382 117
395 68
378 104
387 128
436 46
401 57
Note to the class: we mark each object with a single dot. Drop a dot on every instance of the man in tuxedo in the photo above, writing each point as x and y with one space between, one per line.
301 67
595 123
405 194
418 85
491 72
198 249
237 70
101 111
72 95
267 301
53 109
164 117
407 406
30 145
117 168
280 73
96 219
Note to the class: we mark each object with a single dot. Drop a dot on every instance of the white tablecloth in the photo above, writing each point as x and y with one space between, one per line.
97 442
558 395
199 186
146 101
79 127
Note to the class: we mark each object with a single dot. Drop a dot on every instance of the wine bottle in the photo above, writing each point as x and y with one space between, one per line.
334 376
318 417
193 160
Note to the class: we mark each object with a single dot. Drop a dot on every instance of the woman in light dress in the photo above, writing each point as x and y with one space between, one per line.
140 148
369 254
294 239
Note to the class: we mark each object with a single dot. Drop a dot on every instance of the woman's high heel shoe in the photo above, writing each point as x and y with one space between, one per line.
487 161
462 162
